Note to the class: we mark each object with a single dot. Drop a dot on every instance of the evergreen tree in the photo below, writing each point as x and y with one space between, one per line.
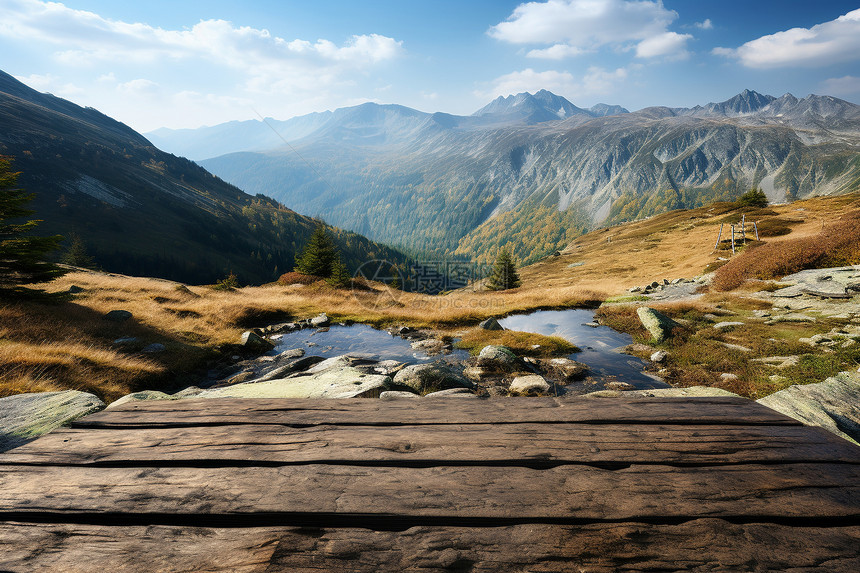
76 255
504 275
22 257
753 198
340 276
318 256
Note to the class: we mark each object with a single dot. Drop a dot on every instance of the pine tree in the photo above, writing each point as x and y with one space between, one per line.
22 257
340 276
753 198
76 255
318 256
504 275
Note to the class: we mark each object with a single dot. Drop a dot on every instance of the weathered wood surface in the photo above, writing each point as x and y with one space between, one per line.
436 485
528 444
369 412
698 545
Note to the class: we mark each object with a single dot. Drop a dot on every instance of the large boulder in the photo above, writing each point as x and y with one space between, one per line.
658 324
532 384
497 358
118 315
24 417
343 382
253 341
142 396
426 378
833 404
491 324
565 369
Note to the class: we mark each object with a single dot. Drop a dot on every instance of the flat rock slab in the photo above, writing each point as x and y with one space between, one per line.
833 404
24 417
343 382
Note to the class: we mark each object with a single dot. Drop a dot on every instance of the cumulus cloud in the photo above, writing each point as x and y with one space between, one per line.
85 36
669 44
846 86
596 81
706 25
831 42
578 26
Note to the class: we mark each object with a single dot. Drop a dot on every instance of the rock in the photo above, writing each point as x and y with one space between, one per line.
431 346
619 386
737 347
118 315
833 404
659 356
692 392
727 325
345 382
424 378
298 365
142 396
154 348
397 395
476 373
532 384
333 362
592 324
565 369
491 324
634 289
728 377
678 281
291 354
658 324
321 319
403 330
188 392
24 417
389 367
126 340
452 393
253 341
778 361
498 357
75 289
243 376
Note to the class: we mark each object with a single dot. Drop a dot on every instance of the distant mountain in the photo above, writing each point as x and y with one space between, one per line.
517 172
142 211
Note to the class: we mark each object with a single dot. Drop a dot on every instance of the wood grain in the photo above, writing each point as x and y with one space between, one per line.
231 411
699 545
566 492
507 444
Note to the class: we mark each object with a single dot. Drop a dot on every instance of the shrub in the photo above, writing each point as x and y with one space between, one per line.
838 245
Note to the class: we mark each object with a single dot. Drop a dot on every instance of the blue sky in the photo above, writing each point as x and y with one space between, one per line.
157 63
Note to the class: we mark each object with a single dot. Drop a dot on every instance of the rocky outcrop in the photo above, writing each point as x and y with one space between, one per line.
691 392
531 384
658 324
833 404
334 382
497 358
142 396
426 378
491 324
253 341
24 417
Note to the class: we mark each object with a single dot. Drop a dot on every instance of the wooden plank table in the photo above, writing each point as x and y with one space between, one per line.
457 484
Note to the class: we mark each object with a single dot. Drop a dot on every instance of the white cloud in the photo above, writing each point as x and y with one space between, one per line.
845 86
823 44
556 52
596 81
706 25
670 44
139 86
578 26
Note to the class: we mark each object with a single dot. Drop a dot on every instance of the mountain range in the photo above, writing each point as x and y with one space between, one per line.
145 212
532 171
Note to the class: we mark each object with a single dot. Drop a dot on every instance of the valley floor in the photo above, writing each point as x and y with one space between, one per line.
178 332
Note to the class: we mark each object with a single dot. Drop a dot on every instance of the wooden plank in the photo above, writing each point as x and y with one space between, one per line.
700 545
403 494
511 444
230 411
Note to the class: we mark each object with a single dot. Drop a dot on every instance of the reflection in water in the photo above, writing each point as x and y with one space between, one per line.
598 344
359 340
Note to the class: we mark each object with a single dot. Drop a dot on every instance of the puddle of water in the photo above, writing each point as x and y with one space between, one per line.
359 340
599 345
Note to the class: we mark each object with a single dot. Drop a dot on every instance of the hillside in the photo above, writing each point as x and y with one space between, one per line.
145 212
521 171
